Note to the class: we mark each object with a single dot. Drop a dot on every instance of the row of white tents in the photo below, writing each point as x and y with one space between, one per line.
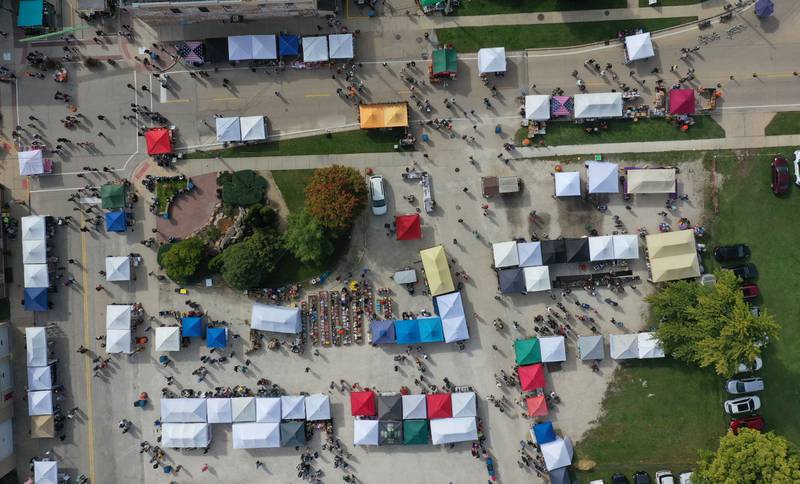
315 49
443 431
454 321
241 128
34 252
40 373
278 319
635 346
316 407
604 177
585 106
462 404
119 335
529 254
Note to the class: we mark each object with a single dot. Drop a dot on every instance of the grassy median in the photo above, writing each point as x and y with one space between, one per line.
784 123
494 7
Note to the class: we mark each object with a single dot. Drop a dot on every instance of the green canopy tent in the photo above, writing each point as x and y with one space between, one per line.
527 351
113 195
416 432
445 63
293 434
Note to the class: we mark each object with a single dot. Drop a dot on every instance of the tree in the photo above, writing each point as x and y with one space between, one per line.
335 195
306 239
261 217
244 187
711 326
182 260
749 457
247 264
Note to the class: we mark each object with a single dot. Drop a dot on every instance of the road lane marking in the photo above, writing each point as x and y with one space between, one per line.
87 343
226 99
317 95
172 101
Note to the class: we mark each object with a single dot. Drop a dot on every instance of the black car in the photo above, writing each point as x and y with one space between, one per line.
746 271
731 252
619 478
641 477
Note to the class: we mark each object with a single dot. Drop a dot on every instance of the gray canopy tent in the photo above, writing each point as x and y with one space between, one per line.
390 407
511 280
591 347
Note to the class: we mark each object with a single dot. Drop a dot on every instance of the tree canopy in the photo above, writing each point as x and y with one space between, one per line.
306 239
181 260
261 217
711 325
244 187
246 265
749 458
335 195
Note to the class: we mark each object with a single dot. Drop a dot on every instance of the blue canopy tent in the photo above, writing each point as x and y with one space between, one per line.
192 326
430 330
764 8
406 331
382 331
544 432
216 338
116 221
36 299
31 13
288 45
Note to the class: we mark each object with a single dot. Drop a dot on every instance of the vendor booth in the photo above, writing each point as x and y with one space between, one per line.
554 251
536 406
529 254
268 409
567 184
430 330
454 322
626 246
33 227
444 64
451 430
382 332
264 47
463 404
440 405
256 435
216 337
649 346
383 115
34 252
318 407
623 346
505 254
390 407
416 432
36 346
240 47
365 432
537 107
591 347
191 51
527 351
293 434
408 276
553 349
288 45
251 128
651 180
40 378
408 227
601 248
362 404
118 316
116 221
511 280
279 319
672 255
168 338
43 427
340 46
491 60
414 407
537 278
681 101
561 106
118 269
603 177
112 196
639 46
406 331
293 407
531 377
216 49
437 270
577 250
192 327
557 454
36 299
119 341
243 409
45 471
185 435
315 49
598 105
499 185
40 403
159 141
228 129
35 275
183 410
32 163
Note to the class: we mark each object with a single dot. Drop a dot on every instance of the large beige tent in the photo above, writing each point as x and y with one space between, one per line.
651 180
673 255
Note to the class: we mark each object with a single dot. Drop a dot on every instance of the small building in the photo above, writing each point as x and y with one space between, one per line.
444 64
234 11
499 185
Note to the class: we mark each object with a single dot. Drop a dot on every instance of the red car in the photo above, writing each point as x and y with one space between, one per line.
780 176
750 291
755 422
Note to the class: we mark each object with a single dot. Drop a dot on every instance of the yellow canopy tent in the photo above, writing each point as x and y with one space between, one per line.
673 255
42 427
437 270
651 180
388 115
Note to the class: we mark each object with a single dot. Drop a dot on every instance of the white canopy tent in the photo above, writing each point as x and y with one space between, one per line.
318 407
35 275
601 248
626 246
557 454
408 276
45 472
463 404
537 107
315 49
492 59
537 278
31 162
36 346
240 47
553 349
228 129
293 407
168 338
414 406
449 430
652 180
603 177
341 46
529 254
366 432
34 252
40 403
568 184
505 254
185 435
265 435
119 340
252 128
623 346
243 409
118 316
639 46
219 410
264 47
454 321
280 319
40 378
649 346
33 227
118 268
192 410
598 105
268 409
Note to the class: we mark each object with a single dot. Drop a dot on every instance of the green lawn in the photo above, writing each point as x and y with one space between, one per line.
784 123
493 7
625 131
519 37
671 3
342 143
657 413
292 184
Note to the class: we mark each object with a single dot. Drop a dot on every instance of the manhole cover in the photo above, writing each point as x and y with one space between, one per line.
540 16
398 36
606 13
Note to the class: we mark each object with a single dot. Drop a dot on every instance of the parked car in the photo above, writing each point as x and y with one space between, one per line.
641 477
619 478
665 477
377 194
745 385
780 176
746 271
685 477
755 422
745 367
797 168
742 405
731 252
750 291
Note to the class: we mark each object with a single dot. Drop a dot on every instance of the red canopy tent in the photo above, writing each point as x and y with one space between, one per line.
408 227
159 141
362 404
681 101
537 406
439 405
531 377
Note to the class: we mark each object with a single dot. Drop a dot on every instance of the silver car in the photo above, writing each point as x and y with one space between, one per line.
745 385
742 405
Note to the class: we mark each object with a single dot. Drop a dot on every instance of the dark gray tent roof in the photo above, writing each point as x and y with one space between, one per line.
553 252
293 434
390 432
390 407
577 250
216 49
511 280
560 476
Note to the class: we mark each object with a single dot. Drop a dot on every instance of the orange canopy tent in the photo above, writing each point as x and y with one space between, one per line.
408 227
387 115
531 377
537 406
159 141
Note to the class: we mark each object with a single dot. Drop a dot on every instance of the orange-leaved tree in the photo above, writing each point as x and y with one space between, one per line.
335 195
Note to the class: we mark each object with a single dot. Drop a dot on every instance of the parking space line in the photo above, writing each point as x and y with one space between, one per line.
317 95
172 101
226 98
